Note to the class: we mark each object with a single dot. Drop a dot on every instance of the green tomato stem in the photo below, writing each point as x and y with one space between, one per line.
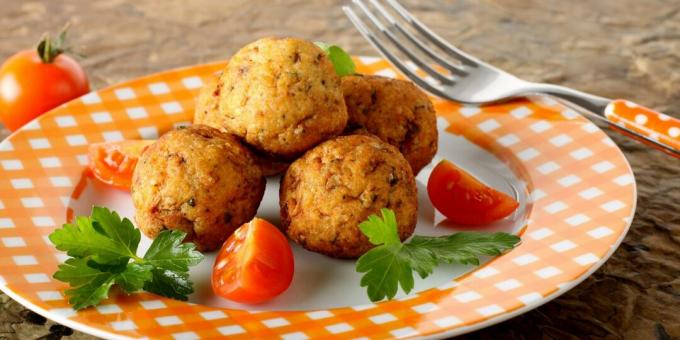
48 50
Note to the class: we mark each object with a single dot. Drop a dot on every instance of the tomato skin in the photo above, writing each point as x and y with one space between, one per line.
254 265
465 200
29 87
113 163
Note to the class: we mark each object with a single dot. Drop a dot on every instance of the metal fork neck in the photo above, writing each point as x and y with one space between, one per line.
592 103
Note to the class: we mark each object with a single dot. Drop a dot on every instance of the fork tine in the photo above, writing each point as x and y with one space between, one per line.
455 69
437 40
368 35
420 63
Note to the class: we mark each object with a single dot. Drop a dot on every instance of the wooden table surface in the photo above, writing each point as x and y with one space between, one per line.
616 48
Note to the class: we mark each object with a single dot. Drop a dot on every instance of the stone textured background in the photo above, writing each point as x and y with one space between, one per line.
616 48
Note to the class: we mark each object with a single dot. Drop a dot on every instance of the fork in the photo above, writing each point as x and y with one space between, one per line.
471 81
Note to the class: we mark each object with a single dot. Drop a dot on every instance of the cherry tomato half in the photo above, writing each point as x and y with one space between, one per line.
465 200
30 87
113 163
254 265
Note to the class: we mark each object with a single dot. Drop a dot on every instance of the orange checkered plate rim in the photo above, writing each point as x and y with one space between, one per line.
582 199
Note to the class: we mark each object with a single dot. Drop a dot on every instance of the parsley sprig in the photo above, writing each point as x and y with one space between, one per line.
103 252
342 62
391 263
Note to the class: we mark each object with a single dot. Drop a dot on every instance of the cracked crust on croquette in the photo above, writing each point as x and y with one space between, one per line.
281 96
395 111
197 180
325 194
207 101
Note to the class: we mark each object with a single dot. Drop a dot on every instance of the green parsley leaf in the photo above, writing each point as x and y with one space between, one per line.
86 237
134 277
76 272
121 231
91 293
342 62
422 260
175 285
465 247
168 252
391 263
380 231
386 268
88 285
103 253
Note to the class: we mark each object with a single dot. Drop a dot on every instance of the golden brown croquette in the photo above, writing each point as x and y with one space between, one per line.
197 180
395 111
280 96
325 194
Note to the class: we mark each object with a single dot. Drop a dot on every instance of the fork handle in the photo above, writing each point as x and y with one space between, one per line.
662 131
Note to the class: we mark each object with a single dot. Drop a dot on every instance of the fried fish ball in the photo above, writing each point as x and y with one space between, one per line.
329 191
207 101
281 96
395 111
197 180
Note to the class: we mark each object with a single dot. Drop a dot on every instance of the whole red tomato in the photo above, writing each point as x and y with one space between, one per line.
34 81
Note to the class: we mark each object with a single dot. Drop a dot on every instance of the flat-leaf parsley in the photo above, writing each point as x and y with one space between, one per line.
342 62
103 252
391 263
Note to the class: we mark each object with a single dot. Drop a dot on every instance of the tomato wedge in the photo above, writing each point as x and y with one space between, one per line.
254 265
465 200
114 162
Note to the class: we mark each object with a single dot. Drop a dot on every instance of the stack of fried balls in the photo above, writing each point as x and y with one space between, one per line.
345 146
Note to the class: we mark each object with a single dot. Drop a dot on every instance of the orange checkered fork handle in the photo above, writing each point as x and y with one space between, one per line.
662 128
